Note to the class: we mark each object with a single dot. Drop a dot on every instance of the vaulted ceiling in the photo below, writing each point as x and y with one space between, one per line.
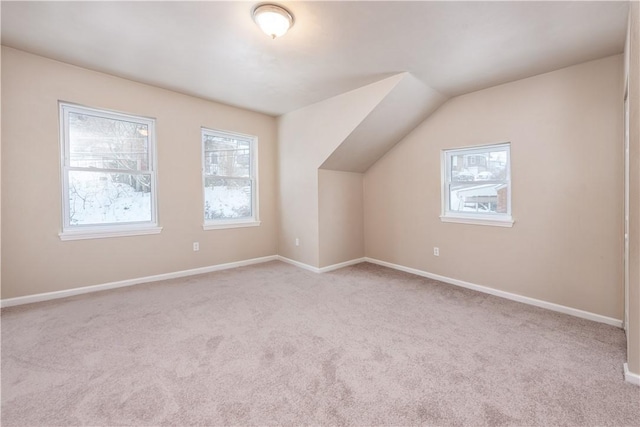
214 50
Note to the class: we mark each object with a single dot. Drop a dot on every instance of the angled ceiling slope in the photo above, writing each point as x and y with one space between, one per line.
404 107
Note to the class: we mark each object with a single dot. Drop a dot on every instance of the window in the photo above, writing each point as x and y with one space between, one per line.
108 174
476 185
230 184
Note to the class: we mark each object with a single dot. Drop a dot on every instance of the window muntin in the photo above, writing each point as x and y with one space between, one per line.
108 171
229 179
477 184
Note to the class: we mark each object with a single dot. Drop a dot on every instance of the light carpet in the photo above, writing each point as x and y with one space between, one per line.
272 344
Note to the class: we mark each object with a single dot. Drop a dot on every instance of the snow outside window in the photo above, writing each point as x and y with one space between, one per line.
108 173
229 178
476 185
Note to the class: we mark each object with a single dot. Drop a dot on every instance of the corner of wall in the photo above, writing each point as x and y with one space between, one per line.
341 216
632 72
306 138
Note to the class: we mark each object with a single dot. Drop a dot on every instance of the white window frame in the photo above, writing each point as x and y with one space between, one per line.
493 219
254 220
121 229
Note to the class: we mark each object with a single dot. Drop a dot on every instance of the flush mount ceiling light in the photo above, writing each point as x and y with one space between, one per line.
274 20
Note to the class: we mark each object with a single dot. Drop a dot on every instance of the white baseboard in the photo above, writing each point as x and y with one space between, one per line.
503 294
130 282
323 269
341 265
9 302
298 264
630 377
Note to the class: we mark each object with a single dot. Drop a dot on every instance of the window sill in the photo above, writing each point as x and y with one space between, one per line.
502 221
237 224
107 232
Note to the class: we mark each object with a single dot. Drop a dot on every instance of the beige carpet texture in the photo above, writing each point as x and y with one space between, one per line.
272 344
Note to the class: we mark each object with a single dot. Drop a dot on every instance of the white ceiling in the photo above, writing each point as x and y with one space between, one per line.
214 50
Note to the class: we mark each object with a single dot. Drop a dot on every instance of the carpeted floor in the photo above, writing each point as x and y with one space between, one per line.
272 344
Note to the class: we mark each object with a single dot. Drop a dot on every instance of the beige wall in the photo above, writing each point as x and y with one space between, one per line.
340 216
565 247
35 260
306 138
633 51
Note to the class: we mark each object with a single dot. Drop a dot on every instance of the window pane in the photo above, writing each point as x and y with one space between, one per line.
100 142
107 198
226 198
490 165
228 157
478 197
498 164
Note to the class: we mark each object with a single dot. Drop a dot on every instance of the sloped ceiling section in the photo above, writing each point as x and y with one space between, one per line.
408 104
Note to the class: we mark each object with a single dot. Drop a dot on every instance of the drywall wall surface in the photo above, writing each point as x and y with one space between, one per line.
565 247
340 217
633 52
306 137
35 260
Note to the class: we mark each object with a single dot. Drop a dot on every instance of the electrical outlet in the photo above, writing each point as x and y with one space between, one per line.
196 246
297 242
436 251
